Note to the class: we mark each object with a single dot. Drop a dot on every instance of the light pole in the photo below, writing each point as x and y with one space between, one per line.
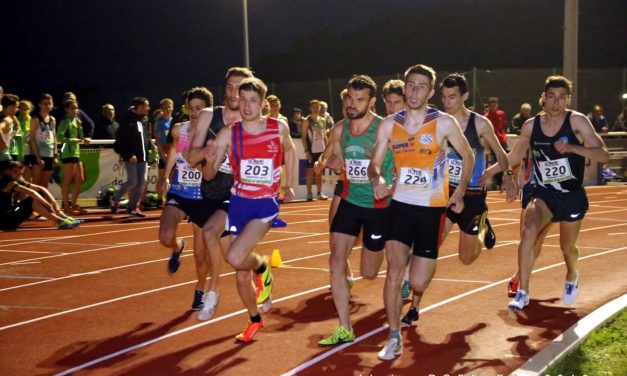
246 54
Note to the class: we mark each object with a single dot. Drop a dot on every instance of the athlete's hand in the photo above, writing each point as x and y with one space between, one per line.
334 162
509 186
289 194
209 152
165 185
456 202
483 180
318 167
380 189
563 147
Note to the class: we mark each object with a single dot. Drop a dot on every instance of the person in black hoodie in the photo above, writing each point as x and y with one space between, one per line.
132 142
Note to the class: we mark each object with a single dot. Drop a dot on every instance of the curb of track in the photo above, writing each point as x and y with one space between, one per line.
573 336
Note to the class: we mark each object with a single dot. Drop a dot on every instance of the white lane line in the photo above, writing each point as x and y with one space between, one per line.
39 252
337 349
303 268
9 276
461 280
8 307
70 243
617 233
319 357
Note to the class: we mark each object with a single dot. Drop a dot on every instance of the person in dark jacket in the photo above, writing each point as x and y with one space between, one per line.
132 142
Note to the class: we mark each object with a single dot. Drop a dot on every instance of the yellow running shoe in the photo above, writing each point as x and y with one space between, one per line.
264 283
340 335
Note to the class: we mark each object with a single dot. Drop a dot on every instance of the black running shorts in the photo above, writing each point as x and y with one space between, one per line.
418 227
350 218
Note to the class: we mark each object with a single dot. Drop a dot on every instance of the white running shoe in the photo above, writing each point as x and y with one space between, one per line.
571 290
520 301
209 306
392 349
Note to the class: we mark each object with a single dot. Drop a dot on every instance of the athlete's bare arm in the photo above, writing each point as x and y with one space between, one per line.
384 136
450 130
175 132
195 155
289 155
593 146
214 152
486 132
332 155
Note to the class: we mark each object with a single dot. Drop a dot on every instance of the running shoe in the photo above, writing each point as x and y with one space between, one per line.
520 301
137 212
264 283
175 262
350 281
392 349
66 224
197 304
340 335
209 306
406 290
278 223
248 334
485 228
512 287
322 196
309 196
571 290
410 318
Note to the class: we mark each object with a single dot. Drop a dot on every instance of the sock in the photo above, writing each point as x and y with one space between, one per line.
262 268
395 334
413 308
256 318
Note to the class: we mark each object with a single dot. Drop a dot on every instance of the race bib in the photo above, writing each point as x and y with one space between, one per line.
257 171
317 142
414 176
47 136
555 171
188 176
454 170
225 166
357 171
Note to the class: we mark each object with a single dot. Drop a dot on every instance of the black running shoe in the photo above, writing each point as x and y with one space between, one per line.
411 317
490 237
197 304
175 262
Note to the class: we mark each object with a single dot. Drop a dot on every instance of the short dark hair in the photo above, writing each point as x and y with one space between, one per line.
9 100
202 93
558 81
45 96
361 82
138 101
254 84
238 72
453 80
69 102
393 87
423 70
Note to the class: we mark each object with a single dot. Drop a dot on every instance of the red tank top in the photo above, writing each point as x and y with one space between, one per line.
256 160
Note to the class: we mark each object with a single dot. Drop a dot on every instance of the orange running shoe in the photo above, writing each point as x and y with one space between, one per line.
248 334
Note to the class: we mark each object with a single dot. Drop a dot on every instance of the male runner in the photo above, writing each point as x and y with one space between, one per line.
255 146
475 229
354 140
217 189
418 138
560 140
184 199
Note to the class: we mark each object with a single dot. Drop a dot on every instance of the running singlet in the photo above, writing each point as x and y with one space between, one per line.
186 182
219 188
315 135
257 161
357 150
420 163
551 169
45 137
455 160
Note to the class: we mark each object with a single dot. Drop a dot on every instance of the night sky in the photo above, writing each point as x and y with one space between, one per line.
114 48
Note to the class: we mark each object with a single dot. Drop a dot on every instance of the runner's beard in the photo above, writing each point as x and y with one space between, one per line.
359 115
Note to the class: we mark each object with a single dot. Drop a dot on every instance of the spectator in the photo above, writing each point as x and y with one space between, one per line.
275 108
8 127
107 126
598 120
86 121
296 122
132 144
43 141
314 138
23 116
519 119
161 135
19 198
70 135
328 119
621 122
498 118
